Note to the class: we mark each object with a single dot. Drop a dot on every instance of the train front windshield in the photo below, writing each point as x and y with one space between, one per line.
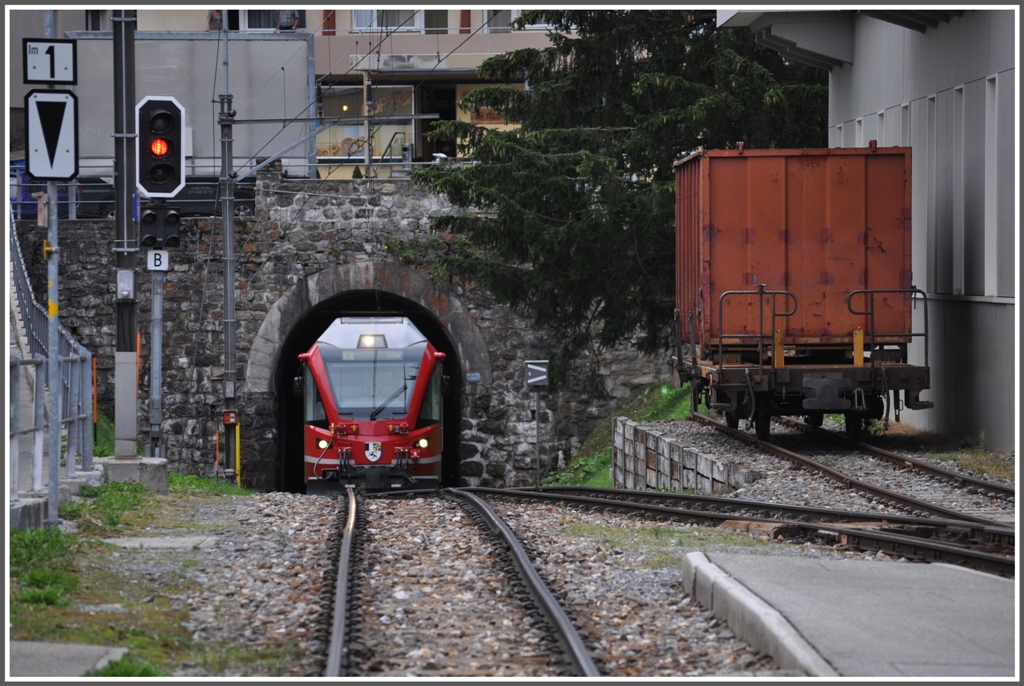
372 383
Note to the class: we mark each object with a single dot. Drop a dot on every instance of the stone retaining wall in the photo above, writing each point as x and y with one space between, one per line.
644 459
315 237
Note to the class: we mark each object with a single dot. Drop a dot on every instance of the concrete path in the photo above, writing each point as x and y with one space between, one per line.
863 618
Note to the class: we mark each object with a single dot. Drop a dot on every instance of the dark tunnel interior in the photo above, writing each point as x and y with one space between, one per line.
365 303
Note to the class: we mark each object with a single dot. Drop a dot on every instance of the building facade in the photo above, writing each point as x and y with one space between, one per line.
312 96
943 83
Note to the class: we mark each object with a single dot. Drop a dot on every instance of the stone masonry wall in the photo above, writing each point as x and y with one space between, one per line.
302 235
644 459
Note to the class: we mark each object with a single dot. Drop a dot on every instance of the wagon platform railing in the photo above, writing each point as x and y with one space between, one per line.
875 337
760 335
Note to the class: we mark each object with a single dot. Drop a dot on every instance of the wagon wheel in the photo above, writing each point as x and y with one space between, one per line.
763 425
732 420
853 426
694 397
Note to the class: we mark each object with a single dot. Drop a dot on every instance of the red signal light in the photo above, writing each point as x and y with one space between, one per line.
159 147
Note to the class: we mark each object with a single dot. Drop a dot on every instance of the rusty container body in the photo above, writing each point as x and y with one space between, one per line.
812 226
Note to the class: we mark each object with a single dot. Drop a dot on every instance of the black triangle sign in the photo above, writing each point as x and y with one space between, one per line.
51 118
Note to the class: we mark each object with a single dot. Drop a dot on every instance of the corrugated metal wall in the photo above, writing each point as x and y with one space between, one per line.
950 93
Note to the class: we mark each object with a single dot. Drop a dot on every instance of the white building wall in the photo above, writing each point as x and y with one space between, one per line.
950 93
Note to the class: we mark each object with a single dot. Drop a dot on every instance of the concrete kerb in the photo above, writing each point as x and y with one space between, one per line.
750 617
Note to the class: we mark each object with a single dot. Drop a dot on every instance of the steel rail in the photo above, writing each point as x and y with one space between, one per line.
846 480
869 539
776 512
339 624
948 474
566 632
915 548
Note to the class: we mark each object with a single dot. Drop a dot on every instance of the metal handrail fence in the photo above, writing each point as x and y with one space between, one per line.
76 382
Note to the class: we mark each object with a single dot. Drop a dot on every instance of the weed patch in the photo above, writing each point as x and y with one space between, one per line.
40 568
592 462
190 484
108 505
127 666
658 546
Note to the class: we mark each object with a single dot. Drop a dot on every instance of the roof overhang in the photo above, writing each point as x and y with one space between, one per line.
822 38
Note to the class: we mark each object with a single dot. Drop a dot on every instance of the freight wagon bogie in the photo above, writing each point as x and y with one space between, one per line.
794 292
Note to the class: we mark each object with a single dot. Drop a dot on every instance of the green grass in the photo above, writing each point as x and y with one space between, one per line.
660 546
189 484
592 462
117 505
127 666
58 580
40 569
103 445
107 504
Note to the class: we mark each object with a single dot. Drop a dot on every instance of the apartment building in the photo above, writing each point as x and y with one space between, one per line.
311 95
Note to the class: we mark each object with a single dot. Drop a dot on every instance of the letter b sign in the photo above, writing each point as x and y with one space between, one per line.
158 260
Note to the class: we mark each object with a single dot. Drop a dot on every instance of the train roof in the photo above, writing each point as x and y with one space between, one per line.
388 332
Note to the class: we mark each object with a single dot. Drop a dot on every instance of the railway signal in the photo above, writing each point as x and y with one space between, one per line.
159 227
160 151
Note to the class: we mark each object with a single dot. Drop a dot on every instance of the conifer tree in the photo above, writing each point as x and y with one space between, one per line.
574 222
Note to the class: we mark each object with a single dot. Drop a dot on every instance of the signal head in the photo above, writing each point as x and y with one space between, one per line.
149 229
160 149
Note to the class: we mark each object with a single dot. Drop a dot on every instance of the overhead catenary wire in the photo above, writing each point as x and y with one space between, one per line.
314 193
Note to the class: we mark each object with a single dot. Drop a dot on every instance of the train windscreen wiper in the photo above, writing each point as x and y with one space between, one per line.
401 389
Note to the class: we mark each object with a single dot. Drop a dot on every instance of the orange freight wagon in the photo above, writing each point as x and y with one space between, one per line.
793 283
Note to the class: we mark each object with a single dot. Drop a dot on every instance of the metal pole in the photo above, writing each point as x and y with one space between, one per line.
126 391
71 450
88 438
13 444
52 254
227 116
53 352
39 423
156 357
368 97
537 425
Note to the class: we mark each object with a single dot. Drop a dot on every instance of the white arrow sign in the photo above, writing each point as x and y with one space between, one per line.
537 372
51 128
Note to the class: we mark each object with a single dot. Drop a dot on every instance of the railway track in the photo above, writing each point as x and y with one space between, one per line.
841 467
400 609
983 547
970 483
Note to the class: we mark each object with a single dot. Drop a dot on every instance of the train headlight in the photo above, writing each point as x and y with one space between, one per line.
422 443
372 340
323 443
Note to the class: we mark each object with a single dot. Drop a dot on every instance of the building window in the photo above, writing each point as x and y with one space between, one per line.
96 20
435 21
500 21
260 20
387 20
344 141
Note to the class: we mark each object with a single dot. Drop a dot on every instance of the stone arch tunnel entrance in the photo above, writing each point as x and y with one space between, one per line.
356 303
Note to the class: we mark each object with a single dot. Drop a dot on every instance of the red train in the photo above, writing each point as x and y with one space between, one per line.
793 284
372 406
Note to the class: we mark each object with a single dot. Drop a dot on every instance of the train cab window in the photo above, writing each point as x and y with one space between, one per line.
430 410
313 404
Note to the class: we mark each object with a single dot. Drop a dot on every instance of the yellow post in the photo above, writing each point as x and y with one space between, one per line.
238 455
858 347
780 354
